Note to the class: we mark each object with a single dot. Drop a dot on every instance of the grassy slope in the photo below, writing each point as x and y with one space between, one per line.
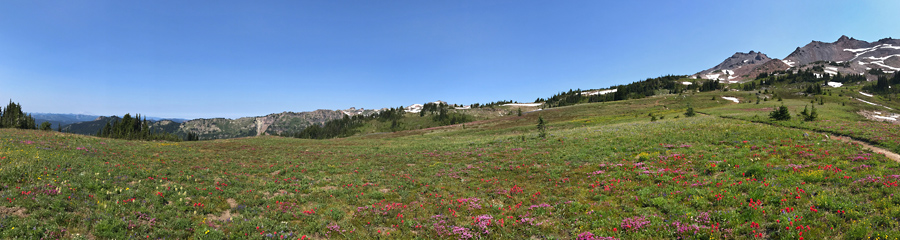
604 167
837 116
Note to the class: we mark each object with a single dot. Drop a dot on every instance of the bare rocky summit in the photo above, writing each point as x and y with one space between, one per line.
845 56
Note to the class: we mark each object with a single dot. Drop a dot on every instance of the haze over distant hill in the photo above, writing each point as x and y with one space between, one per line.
63 119
217 128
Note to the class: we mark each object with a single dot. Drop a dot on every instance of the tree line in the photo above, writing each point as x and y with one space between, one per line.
801 76
347 126
885 85
634 90
13 117
134 128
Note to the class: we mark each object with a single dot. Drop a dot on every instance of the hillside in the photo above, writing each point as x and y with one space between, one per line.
61 119
605 170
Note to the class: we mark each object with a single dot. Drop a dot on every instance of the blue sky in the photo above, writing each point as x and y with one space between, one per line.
203 59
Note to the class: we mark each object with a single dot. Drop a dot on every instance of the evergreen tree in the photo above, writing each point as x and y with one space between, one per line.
809 115
395 126
780 114
46 126
13 117
542 127
192 137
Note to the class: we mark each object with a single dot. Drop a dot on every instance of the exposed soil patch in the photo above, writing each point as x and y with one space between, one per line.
268 195
231 202
880 116
226 215
13 211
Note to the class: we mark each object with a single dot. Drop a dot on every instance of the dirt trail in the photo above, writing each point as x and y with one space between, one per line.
888 154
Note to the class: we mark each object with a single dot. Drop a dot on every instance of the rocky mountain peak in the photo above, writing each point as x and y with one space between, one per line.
846 55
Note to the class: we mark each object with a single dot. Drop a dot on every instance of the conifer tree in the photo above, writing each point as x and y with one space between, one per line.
46 126
542 128
780 114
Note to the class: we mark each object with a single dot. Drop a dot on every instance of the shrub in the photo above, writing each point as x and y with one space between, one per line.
690 112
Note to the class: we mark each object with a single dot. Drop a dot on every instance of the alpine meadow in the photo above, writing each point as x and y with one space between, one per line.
804 146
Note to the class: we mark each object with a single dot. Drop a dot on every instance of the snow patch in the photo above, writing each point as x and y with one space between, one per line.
712 76
831 70
881 58
890 46
865 94
788 62
601 92
522 104
857 50
886 118
415 108
881 63
861 51
687 83
871 103
835 84
733 99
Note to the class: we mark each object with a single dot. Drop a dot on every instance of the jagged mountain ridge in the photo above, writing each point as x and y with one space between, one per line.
846 56
737 65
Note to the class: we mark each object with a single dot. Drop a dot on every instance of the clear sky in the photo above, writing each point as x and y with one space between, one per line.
203 59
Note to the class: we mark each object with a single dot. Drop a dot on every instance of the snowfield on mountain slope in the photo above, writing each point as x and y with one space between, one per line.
788 62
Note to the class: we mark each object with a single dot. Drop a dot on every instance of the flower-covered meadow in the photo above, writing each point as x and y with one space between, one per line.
702 177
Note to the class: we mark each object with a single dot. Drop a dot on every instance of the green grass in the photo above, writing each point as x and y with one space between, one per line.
603 168
839 115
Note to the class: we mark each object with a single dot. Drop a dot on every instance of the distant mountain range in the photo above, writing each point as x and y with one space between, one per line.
57 119
846 56
218 128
